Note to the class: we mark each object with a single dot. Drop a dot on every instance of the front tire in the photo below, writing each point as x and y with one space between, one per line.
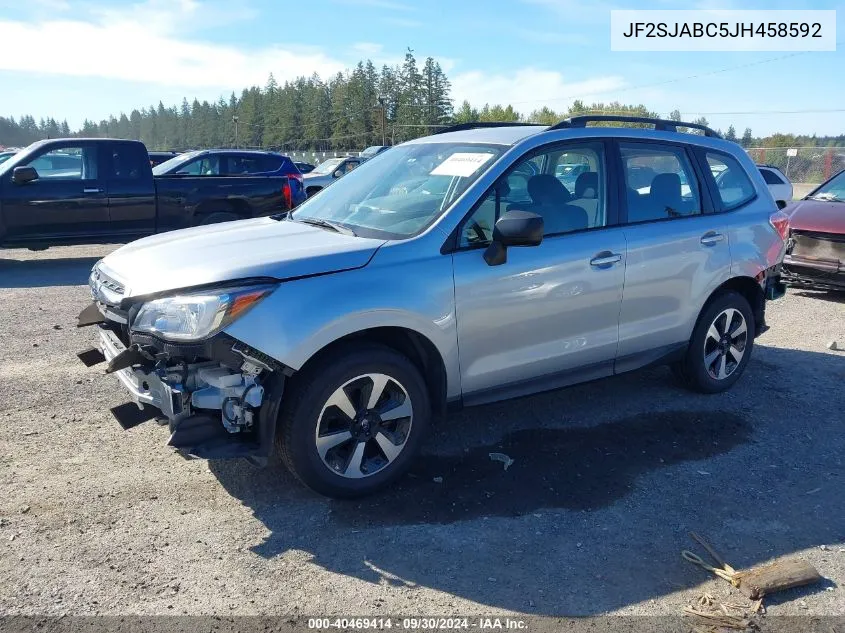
720 346
353 421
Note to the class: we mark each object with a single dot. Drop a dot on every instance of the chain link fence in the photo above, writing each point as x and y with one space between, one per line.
809 167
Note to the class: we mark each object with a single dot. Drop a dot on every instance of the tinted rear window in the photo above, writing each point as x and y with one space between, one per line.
735 188
771 177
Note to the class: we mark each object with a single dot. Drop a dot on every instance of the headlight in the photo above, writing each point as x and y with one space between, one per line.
191 317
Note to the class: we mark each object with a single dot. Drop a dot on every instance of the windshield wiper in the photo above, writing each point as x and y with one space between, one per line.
328 224
827 197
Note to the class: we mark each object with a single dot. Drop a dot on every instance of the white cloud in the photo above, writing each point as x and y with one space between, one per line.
145 43
528 89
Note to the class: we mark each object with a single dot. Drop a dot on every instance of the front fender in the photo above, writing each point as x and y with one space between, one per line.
304 316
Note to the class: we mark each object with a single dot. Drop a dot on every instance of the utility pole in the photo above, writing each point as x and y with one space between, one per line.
235 121
383 132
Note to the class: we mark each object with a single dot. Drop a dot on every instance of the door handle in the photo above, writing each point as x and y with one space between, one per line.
92 190
711 238
603 260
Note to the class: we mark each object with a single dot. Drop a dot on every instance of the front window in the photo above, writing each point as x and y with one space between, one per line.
66 163
833 189
400 194
173 165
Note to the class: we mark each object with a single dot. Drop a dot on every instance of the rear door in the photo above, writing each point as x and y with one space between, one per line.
678 250
131 193
67 202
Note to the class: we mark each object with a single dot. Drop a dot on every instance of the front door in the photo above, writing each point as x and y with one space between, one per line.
66 202
548 316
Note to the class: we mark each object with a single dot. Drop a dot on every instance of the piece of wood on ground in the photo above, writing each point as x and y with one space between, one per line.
767 579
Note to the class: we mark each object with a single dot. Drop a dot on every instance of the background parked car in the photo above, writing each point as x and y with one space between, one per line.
157 158
4 156
777 182
815 251
226 162
328 171
83 191
304 168
373 150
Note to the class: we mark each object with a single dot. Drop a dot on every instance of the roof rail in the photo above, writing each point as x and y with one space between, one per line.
659 124
480 124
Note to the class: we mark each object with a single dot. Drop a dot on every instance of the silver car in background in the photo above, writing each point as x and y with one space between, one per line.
452 270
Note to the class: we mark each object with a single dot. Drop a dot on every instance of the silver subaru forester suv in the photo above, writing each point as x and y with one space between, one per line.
484 263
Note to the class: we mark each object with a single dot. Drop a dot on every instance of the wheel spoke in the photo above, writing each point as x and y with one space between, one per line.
398 411
739 330
342 402
713 332
379 383
723 361
327 442
710 358
736 353
390 450
353 467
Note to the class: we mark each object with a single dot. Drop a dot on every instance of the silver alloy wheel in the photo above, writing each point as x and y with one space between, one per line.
364 425
725 343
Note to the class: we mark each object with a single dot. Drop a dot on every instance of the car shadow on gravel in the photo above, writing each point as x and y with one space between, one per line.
607 480
40 273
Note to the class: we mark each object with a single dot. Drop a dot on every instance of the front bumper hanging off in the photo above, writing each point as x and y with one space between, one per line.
223 403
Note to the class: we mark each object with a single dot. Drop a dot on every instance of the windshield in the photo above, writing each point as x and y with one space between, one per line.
833 189
327 167
171 166
4 156
403 191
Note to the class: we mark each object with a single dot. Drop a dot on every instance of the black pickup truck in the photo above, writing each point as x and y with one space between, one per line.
83 191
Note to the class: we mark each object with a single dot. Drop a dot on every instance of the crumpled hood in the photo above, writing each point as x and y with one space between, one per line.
817 215
262 247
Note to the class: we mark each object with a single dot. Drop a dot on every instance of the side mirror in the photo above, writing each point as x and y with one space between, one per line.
781 204
337 173
514 228
23 175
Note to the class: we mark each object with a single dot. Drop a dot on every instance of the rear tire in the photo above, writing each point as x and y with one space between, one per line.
352 422
217 217
720 346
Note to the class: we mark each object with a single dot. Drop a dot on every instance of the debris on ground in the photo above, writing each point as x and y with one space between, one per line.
501 457
832 345
438 480
754 583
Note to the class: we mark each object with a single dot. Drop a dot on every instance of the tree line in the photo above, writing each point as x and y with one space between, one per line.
364 106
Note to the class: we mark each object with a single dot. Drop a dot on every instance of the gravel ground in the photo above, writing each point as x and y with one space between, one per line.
591 518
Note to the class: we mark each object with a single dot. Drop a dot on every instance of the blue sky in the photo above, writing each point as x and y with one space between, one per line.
72 59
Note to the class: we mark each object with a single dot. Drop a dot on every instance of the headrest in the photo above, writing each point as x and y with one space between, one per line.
587 185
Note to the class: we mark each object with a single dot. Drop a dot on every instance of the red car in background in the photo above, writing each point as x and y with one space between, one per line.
815 251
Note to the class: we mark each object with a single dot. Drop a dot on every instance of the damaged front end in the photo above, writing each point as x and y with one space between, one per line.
219 397
815 260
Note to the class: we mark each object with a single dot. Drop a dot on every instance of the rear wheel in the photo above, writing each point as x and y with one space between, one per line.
720 346
353 422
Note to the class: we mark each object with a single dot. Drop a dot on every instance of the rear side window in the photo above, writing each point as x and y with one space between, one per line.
129 162
660 182
771 177
733 184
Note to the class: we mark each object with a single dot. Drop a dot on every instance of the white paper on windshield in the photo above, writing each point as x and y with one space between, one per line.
462 164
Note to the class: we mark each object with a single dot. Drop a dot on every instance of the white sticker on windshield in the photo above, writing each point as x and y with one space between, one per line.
462 164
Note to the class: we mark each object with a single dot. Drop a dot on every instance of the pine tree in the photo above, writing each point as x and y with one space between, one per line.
730 135
747 139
